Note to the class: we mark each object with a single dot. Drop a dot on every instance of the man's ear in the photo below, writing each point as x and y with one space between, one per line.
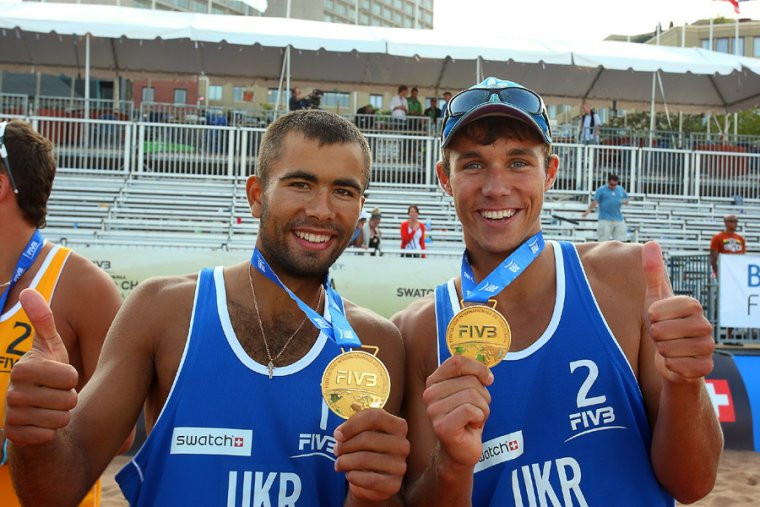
552 166
443 178
254 190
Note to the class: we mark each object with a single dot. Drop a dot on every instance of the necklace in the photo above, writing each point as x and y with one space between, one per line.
270 364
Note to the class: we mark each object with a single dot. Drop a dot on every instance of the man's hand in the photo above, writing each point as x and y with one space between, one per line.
372 449
682 334
42 388
458 405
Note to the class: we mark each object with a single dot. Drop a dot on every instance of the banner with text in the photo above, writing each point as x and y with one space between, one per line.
383 284
739 285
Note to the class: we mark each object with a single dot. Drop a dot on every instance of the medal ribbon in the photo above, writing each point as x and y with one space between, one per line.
28 256
337 329
504 274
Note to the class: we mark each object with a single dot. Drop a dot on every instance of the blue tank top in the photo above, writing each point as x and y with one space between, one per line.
567 423
227 434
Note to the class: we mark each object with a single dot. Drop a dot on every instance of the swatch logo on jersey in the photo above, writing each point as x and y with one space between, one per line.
500 449
212 441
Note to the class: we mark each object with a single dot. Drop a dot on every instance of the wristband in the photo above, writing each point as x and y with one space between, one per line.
4 453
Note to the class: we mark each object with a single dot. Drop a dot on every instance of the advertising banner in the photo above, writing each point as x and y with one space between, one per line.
739 286
383 284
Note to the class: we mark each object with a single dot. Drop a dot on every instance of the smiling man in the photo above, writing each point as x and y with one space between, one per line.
228 362
548 373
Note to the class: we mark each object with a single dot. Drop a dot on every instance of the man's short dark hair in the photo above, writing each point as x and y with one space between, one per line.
402 88
31 159
321 126
613 177
415 89
486 130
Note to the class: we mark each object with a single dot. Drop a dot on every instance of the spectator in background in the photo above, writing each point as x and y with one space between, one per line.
412 231
374 233
415 107
399 103
727 242
296 102
360 237
446 99
433 112
610 198
590 125
415 111
364 119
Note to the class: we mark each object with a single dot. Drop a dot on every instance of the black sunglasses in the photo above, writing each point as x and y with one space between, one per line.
4 156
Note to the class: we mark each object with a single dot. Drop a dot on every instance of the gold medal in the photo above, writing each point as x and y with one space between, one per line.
479 332
354 381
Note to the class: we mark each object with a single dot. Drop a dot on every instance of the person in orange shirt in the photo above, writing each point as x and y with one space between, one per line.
86 298
727 242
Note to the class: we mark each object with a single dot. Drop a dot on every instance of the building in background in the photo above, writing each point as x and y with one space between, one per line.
210 92
392 13
736 37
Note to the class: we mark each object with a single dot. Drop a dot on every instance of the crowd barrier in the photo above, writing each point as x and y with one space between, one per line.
111 146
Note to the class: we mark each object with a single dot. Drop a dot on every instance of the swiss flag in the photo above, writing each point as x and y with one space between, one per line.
721 398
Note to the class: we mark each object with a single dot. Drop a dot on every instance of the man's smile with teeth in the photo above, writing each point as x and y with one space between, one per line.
497 214
313 238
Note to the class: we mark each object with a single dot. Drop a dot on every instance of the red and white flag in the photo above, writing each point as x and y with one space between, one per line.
735 3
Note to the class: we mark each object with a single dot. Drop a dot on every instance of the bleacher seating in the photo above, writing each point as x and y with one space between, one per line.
213 213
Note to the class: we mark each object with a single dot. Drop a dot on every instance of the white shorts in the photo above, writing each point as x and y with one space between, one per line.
612 229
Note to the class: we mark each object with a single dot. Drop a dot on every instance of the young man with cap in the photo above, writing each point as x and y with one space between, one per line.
600 399
246 372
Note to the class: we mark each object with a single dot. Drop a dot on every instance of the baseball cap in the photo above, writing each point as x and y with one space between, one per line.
495 97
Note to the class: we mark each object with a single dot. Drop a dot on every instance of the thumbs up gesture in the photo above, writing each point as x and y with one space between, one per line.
42 388
681 333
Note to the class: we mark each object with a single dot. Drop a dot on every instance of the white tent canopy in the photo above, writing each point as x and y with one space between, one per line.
150 43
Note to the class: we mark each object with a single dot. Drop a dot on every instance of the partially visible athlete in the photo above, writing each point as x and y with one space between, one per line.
82 297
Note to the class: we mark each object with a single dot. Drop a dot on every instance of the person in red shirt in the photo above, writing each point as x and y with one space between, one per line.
413 231
726 241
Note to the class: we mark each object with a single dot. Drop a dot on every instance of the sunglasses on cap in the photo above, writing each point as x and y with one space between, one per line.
496 91
4 156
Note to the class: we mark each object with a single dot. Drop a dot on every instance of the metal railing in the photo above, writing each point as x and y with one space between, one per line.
690 275
78 107
398 159
14 105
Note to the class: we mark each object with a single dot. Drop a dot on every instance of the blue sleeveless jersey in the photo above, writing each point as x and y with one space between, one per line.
567 423
230 436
